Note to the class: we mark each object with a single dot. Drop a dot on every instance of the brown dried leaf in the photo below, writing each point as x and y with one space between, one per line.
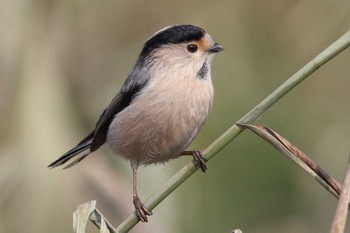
295 154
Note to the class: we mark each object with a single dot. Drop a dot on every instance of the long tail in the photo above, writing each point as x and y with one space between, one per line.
82 150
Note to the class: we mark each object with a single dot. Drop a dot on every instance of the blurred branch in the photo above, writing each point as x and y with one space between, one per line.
106 183
333 50
339 221
11 175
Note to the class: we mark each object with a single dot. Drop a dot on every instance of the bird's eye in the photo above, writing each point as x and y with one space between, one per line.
192 48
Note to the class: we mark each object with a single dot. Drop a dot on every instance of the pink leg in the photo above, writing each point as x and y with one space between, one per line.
141 210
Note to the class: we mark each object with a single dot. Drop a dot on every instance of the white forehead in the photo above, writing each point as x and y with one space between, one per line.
165 28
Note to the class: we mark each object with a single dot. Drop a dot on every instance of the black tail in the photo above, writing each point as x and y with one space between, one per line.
82 149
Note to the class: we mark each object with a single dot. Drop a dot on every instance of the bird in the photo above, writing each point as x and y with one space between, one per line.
161 106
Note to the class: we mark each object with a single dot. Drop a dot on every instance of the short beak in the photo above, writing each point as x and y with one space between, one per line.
216 48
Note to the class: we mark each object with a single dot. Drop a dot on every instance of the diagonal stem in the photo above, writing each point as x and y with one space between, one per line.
341 213
333 50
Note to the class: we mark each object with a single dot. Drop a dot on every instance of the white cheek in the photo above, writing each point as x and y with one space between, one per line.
176 60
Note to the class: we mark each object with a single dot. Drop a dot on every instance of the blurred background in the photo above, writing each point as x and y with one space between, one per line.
62 61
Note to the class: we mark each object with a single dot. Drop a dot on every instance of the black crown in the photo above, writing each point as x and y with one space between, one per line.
173 35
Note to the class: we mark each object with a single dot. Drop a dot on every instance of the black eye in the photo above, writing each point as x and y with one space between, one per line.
192 48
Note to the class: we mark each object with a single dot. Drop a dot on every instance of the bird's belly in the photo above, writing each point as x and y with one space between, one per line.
153 129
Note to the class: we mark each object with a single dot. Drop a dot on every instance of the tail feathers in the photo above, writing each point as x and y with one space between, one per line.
77 160
84 146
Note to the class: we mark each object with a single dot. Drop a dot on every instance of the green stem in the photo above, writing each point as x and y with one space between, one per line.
182 175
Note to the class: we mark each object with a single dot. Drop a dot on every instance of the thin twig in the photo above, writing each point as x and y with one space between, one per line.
339 221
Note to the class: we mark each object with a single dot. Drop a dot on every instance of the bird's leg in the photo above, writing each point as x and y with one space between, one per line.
199 160
141 210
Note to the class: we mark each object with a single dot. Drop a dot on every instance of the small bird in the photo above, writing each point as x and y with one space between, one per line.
161 106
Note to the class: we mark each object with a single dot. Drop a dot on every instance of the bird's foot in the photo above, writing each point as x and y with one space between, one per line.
141 210
199 160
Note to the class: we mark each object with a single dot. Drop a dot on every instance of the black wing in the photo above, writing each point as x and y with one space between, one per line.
137 80
132 86
119 102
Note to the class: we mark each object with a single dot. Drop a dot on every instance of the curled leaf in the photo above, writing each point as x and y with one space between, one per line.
297 156
81 216
87 211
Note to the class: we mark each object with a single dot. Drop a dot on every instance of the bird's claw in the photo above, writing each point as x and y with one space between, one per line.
141 210
199 160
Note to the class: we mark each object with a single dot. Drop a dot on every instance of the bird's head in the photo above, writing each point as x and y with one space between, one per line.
179 48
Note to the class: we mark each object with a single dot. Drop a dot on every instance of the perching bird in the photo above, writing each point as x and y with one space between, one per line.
161 106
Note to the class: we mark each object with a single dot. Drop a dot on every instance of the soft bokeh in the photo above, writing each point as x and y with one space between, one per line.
62 61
